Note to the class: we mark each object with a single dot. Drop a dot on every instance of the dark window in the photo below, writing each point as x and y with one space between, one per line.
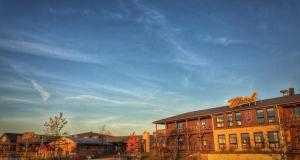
273 139
271 115
298 136
179 124
259 140
229 120
222 141
238 118
245 140
220 120
296 111
233 141
204 141
260 116
180 141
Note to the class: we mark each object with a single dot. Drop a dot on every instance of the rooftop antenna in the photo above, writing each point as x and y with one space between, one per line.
284 92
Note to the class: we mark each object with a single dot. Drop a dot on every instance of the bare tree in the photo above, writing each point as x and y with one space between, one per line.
55 125
103 131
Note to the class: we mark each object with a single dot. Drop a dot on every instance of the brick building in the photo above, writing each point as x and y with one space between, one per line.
269 125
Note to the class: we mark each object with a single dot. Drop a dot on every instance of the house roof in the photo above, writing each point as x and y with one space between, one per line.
118 139
121 139
207 112
88 134
89 141
12 136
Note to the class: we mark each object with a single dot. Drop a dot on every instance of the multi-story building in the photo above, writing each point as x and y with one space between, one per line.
269 125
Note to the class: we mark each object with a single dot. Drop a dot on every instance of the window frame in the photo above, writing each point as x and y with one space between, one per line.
296 112
260 117
203 123
271 118
220 123
229 121
180 141
247 144
298 136
222 145
232 144
261 144
179 125
275 143
238 121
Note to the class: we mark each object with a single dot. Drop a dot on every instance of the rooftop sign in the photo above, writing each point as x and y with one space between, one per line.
239 101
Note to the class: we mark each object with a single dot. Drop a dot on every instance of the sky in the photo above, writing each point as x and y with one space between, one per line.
127 63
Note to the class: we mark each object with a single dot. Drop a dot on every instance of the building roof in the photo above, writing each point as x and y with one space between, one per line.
89 141
207 112
118 139
121 139
12 136
88 134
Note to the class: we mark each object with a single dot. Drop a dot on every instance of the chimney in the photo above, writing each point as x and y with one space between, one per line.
288 92
291 91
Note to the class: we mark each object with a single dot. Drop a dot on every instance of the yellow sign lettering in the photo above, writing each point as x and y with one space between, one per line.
239 101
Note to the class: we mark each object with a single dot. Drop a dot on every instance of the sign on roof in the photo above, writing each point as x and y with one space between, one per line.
239 101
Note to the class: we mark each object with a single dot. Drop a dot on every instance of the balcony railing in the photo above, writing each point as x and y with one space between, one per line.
183 130
291 120
161 132
295 146
186 147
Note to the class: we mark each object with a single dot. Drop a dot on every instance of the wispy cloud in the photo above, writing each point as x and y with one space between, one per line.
155 22
91 98
186 82
123 7
43 93
45 50
224 41
16 100
112 15
118 103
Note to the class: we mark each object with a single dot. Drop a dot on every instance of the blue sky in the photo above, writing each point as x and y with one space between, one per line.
126 63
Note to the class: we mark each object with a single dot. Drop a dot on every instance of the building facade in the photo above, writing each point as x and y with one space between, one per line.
270 125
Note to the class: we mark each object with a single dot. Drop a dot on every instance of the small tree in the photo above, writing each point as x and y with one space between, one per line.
55 125
133 144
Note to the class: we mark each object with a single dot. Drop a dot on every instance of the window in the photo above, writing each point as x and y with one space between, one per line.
260 116
229 119
179 124
245 140
204 141
273 139
238 118
203 123
180 141
233 141
220 120
259 140
298 136
222 141
271 115
296 111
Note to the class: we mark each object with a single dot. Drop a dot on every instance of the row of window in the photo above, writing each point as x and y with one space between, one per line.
245 139
238 118
202 123
260 115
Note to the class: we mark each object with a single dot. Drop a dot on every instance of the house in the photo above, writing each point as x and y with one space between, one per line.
79 147
262 126
119 143
8 143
